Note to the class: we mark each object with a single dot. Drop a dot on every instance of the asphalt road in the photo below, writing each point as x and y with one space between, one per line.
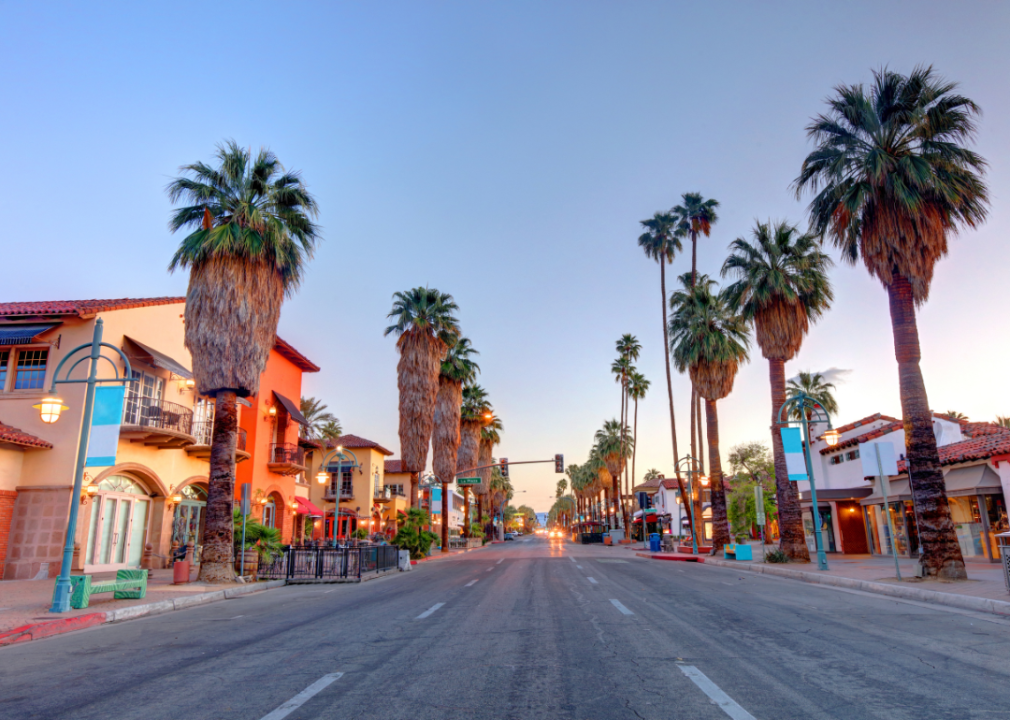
531 629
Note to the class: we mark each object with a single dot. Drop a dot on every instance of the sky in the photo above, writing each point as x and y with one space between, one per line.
503 152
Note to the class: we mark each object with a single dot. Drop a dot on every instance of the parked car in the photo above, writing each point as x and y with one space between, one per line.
509 536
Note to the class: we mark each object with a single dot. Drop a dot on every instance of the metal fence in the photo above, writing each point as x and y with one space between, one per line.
330 563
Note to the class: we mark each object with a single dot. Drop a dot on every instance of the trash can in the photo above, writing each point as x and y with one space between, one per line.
655 542
1003 541
180 572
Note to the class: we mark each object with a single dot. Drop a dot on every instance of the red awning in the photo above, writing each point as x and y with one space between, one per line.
305 507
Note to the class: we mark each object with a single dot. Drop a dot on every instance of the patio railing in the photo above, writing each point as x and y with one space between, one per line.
323 564
151 412
203 431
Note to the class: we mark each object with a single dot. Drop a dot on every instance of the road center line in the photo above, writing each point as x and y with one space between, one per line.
470 583
620 606
425 614
572 559
300 699
578 566
489 569
592 580
715 693
499 562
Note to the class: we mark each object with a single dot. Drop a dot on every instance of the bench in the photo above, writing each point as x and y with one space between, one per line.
128 585
737 551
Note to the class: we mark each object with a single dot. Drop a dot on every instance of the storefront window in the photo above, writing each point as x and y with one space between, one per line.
880 529
827 529
967 517
995 508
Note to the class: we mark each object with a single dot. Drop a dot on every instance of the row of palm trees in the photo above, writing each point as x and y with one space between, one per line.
892 179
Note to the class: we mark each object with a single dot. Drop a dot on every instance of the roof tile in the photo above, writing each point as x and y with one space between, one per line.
15 436
353 441
82 308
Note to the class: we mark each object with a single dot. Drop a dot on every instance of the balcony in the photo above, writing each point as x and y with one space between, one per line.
286 459
157 423
347 493
203 431
387 493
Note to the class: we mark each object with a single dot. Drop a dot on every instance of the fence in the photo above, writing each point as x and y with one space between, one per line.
154 413
332 564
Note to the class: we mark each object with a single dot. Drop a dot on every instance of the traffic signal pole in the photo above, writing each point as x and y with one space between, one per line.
509 462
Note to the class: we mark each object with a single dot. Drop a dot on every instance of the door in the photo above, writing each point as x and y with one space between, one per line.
117 532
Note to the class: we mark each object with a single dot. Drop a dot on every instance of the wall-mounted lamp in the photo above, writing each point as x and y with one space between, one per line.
272 412
831 437
89 492
187 385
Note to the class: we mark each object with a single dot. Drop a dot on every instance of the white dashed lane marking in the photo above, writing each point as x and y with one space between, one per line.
470 583
592 580
301 698
620 606
715 693
429 611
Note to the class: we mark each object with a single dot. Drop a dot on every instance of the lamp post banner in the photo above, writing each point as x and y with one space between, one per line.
792 444
108 416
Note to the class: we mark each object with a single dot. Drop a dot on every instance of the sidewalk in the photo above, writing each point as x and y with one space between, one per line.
24 604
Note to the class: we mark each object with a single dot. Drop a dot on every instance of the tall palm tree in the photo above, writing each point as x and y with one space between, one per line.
660 241
652 474
710 341
561 487
471 420
782 287
637 389
316 417
814 385
490 436
331 430
457 368
425 326
955 415
614 447
251 235
628 350
695 216
893 178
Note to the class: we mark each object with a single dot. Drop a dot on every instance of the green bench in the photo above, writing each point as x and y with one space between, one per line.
128 585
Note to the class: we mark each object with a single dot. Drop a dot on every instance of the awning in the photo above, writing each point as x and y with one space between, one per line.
306 507
897 490
974 480
824 496
159 360
293 410
23 334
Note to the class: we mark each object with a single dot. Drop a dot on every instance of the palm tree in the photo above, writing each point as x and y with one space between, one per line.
955 415
652 474
615 447
251 235
490 436
316 417
628 350
561 488
893 179
782 286
499 493
471 420
426 327
457 369
814 385
637 389
661 240
695 217
1003 421
330 430
710 341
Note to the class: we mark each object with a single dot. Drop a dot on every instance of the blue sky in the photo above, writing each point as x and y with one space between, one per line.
502 152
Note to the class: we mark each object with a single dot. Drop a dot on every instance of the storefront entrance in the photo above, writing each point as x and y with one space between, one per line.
118 526
187 525
827 529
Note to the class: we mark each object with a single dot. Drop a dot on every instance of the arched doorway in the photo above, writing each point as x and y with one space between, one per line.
187 524
117 530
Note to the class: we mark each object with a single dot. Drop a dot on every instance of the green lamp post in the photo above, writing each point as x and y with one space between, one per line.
690 472
323 475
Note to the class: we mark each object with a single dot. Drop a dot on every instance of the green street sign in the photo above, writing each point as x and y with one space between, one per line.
468 481
759 504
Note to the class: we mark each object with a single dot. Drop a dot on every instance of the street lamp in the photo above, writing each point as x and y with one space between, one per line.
809 410
50 409
323 475
690 472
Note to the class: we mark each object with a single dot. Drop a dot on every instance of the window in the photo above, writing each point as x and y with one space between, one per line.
269 511
852 455
5 356
347 486
836 460
31 370
141 396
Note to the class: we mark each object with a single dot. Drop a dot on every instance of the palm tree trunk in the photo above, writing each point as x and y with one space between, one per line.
792 539
466 511
698 500
445 517
669 392
940 552
694 259
415 480
701 434
218 559
634 447
720 524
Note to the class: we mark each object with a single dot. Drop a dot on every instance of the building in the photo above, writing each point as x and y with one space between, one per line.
456 512
148 496
664 495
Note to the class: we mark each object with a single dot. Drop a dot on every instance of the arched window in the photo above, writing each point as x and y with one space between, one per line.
122 484
269 513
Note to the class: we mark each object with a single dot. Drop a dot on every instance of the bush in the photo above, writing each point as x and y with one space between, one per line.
360 534
264 540
776 556
412 536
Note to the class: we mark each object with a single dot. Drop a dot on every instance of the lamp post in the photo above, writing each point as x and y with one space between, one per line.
50 408
323 475
690 472
809 410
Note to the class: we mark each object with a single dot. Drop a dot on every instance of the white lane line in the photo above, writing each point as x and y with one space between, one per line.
620 606
578 566
301 698
470 583
592 580
499 562
715 693
572 559
489 569
429 611
329 591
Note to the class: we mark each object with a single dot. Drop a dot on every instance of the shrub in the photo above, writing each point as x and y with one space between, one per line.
412 536
776 556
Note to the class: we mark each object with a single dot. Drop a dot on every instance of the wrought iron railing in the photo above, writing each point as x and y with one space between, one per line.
151 412
287 453
330 563
203 431
389 491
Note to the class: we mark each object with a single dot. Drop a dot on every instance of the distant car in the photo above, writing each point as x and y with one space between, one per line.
509 536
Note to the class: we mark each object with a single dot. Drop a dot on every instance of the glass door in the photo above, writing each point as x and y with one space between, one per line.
116 533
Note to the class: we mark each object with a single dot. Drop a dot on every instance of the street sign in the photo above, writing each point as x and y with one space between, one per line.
888 465
245 498
759 504
468 481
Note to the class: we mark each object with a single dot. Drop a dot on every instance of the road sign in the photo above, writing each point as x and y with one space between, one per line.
246 487
468 481
759 504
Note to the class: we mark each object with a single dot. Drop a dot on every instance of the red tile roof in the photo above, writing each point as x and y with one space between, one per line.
14 436
353 441
978 429
81 308
393 466
948 418
872 435
978 448
865 421
286 350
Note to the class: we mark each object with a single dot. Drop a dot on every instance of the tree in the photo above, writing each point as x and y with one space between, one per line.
316 417
412 534
710 341
628 350
782 287
457 368
893 178
251 235
490 436
695 216
660 241
426 327
652 474
561 488
955 415
1003 421
814 385
614 447
471 420
330 430
637 389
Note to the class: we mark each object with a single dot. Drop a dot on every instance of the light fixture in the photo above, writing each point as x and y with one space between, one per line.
176 498
89 492
187 384
704 480
50 408
322 476
831 437
294 504
272 412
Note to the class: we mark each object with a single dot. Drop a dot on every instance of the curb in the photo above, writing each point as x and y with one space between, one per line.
439 556
680 558
964 602
50 628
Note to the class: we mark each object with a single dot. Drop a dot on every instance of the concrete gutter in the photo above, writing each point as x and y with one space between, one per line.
905 592
50 628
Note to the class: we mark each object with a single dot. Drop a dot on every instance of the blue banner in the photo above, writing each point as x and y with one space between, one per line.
792 444
105 421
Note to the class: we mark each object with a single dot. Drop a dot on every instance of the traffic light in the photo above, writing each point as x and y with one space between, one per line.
559 463
503 465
